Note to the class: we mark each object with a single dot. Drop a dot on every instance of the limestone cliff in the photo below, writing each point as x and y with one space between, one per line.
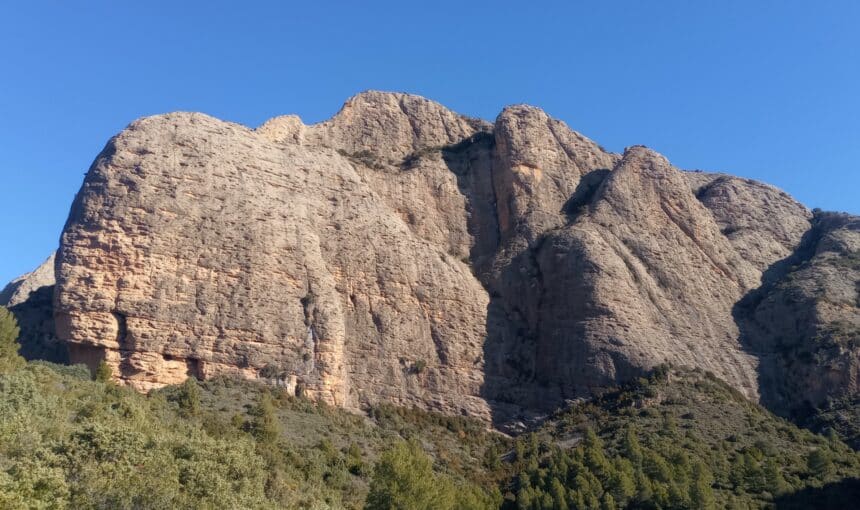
401 252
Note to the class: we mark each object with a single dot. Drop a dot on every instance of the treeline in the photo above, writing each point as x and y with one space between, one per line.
636 477
681 439
71 439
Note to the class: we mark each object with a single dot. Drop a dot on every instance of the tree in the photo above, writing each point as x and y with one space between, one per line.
631 447
354 462
608 502
819 463
9 330
525 496
737 474
753 474
701 492
103 372
595 459
773 477
264 425
403 479
187 397
622 483
559 494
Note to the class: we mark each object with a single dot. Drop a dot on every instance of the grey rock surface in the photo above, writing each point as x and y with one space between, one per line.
19 290
29 298
804 321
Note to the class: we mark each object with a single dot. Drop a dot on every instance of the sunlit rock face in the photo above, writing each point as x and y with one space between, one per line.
400 252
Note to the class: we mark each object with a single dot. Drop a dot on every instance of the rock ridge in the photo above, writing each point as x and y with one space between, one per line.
400 252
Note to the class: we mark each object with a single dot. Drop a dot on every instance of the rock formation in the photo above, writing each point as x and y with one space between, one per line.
29 298
401 252
804 321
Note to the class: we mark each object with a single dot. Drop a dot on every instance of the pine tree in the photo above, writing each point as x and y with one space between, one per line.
264 425
737 475
595 459
631 447
819 463
622 482
753 474
404 478
773 478
188 397
701 492
525 498
559 495
608 502
644 488
525 495
9 331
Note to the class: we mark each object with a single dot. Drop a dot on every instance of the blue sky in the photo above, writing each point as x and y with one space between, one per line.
762 89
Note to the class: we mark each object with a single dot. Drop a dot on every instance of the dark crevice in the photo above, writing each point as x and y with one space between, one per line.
411 120
584 193
308 309
121 328
439 344
703 191
471 162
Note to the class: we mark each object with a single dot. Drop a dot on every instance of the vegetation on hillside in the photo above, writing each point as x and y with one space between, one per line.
69 441
681 439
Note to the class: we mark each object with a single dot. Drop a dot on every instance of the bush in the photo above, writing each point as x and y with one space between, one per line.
103 373
187 397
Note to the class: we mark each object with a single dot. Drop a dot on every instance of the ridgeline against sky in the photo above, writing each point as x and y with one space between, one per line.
765 90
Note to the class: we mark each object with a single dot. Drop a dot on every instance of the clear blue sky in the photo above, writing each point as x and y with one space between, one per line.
762 89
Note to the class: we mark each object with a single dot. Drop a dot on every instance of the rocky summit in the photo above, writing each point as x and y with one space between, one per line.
402 253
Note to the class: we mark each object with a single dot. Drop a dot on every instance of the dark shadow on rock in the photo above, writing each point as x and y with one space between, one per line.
509 342
757 335
839 495
796 347
38 338
520 383
584 192
471 163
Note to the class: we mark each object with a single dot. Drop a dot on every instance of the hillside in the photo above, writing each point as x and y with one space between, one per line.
681 439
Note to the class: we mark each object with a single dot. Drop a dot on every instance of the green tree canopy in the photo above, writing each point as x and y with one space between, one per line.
403 479
9 330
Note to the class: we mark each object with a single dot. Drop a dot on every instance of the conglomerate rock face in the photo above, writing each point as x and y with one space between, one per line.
401 252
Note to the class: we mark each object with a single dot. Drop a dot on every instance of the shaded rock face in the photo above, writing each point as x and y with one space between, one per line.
804 321
400 252
29 298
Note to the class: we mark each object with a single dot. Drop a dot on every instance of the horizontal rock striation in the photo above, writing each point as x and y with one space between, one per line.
401 252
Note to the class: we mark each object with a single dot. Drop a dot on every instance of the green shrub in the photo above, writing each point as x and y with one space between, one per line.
103 373
186 396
